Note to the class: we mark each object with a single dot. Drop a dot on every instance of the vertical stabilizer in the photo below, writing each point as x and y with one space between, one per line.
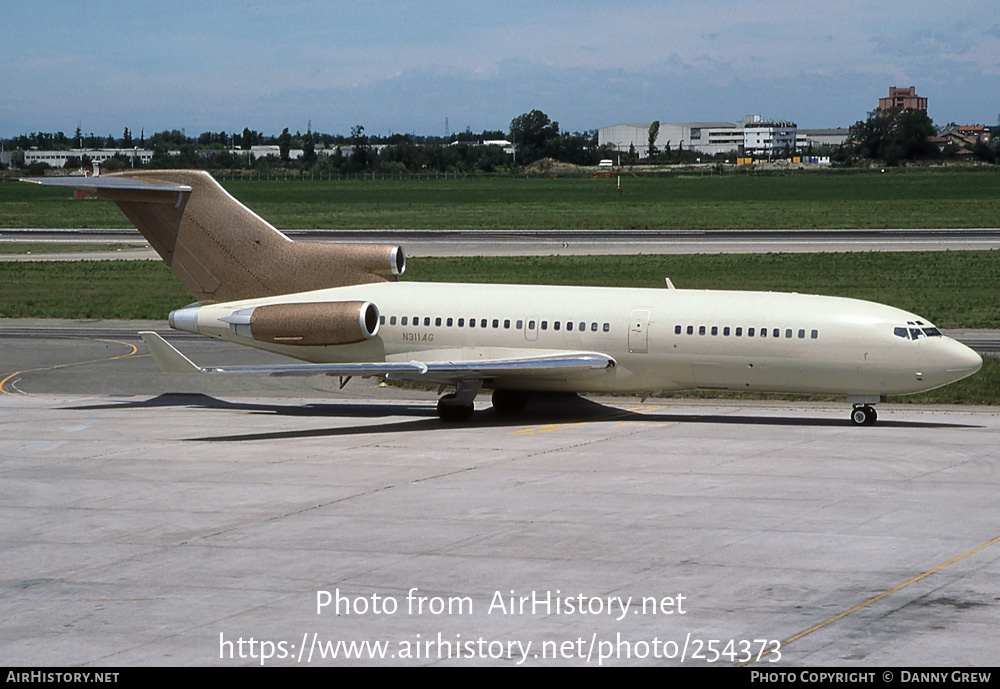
223 251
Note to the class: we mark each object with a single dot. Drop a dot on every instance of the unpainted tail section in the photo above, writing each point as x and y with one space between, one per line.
223 251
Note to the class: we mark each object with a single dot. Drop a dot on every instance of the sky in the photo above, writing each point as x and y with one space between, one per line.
397 66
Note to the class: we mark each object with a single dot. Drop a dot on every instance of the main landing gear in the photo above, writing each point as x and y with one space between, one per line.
509 402
863 415
458 406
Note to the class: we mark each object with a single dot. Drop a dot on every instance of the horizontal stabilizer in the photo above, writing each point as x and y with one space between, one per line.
123 189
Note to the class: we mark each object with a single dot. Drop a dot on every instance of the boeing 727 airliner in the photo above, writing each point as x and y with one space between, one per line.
340 310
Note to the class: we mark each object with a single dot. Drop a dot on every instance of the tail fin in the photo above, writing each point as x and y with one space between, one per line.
223 251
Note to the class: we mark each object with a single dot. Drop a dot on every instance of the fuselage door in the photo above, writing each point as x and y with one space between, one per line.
638 337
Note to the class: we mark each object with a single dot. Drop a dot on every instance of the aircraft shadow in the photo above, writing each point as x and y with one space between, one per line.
544 409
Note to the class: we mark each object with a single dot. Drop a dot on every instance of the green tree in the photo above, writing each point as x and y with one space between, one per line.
654 131
284 144
308 148
361 157
532 134
894 135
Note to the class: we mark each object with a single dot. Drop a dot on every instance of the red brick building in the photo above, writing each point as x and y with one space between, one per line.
907 99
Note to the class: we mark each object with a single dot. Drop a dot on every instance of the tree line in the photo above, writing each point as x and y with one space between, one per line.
892 137
533 136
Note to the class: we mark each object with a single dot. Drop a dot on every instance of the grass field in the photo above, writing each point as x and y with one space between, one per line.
951 288
59 248
915 199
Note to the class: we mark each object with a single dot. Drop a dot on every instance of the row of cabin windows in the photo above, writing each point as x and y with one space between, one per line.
726 331
569 326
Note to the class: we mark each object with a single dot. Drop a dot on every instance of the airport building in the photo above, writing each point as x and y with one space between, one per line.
769 139
704 137
753 136
58 159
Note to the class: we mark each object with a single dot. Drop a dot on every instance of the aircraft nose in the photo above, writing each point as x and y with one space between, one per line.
962 361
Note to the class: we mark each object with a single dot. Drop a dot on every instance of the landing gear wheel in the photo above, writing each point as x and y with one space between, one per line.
864 415
509 402
453 412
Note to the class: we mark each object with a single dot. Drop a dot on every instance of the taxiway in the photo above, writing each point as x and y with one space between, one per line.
147 521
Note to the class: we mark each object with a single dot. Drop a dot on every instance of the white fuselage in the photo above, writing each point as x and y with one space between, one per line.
661 339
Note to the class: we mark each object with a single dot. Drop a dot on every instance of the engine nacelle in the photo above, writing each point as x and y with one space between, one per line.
381 259
308 324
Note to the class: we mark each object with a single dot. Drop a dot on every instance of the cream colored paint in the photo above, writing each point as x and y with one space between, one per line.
855 354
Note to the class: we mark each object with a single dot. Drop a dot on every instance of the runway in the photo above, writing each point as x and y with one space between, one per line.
148 521
563 242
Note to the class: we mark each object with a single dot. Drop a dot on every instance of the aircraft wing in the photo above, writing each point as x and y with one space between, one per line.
555 364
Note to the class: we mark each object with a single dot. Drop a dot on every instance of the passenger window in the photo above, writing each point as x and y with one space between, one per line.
450 322
392 320
749 332
520 324
814 334
690 330
583 326
531 325
569 325
607 327
496 322
677 330
725 331
437 321
506 324
715 330
472 322
427 320
763 332
701 330
776 332
461 322
381 319
482 323
739 332
556 325
402 321
545 325
802 333
788 333
593 327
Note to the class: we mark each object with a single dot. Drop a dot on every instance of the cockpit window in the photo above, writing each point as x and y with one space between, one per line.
912 333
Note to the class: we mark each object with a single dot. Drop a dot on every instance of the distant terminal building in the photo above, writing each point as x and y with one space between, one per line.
704 137
754 136
768 139
814 139
59 159
907 99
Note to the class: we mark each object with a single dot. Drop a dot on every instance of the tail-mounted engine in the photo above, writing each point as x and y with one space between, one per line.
308 324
